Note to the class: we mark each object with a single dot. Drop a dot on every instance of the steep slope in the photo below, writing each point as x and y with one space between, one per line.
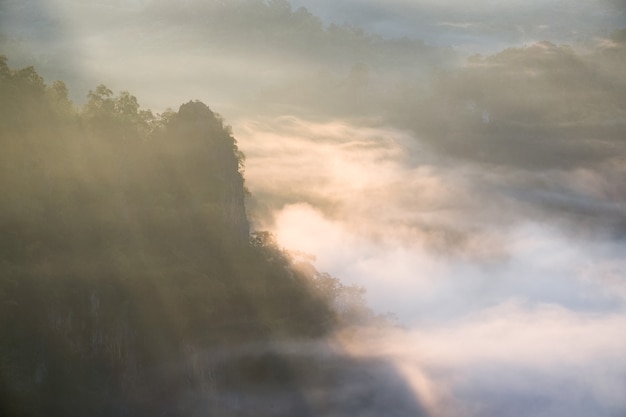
125 249
130 284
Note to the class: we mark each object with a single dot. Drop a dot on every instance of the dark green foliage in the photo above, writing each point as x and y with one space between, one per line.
124 248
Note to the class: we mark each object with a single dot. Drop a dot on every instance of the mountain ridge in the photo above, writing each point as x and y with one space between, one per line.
127 251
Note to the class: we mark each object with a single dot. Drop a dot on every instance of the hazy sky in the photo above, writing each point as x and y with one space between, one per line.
480 25
482 199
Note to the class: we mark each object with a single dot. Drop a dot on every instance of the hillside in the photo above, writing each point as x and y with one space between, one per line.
125 253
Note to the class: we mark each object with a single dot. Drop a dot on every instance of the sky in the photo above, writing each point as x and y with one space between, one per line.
465 163
481 25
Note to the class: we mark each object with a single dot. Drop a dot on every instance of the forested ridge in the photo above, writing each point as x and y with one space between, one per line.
125 251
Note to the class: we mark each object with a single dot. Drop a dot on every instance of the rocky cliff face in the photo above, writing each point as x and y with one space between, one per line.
197 124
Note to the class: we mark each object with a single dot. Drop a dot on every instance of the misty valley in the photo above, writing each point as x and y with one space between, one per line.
321 208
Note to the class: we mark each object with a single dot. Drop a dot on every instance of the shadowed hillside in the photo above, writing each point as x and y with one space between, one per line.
126 256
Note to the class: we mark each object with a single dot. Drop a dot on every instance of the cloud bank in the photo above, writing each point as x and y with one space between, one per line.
511 360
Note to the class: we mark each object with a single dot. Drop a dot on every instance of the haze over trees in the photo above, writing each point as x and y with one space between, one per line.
125 250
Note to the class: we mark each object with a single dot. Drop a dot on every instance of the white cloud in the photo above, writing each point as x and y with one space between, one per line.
547 361
431 239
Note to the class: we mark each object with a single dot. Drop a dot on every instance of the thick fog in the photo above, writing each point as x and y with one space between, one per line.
479 198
